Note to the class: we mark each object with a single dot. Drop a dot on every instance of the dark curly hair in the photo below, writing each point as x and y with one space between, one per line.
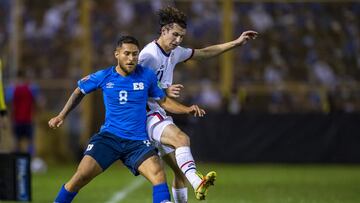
171 15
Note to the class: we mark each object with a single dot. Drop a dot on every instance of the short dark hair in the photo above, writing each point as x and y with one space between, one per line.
171 15
127 39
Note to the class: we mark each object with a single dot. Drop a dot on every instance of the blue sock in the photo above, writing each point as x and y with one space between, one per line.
64 196
161 193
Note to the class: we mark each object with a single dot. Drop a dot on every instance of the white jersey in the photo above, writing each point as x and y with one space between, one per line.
154 57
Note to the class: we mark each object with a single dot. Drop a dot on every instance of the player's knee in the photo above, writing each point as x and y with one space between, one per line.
176 139
182 139
158 177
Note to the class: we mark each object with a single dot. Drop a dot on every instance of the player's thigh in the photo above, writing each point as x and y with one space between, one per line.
87 170
104 148
156 123
173 136
152 170
88 165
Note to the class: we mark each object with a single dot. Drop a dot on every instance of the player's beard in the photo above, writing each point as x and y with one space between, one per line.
127 70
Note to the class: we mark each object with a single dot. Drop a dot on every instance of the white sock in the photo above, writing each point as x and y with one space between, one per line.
180 195
187 165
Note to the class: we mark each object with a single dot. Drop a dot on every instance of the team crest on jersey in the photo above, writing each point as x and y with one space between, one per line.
109 85
85 78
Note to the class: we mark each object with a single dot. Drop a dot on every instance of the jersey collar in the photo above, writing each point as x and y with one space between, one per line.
162 50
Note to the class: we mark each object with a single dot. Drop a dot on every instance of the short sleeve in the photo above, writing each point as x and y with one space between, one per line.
183 54
155 91
91 82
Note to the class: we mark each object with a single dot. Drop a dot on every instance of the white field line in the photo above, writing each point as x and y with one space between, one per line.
118 196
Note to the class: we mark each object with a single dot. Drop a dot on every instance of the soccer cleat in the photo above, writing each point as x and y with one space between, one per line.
208 180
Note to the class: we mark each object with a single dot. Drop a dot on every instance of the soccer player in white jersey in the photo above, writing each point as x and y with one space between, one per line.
162 55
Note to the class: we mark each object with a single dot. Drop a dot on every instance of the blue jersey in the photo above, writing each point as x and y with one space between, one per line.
124 99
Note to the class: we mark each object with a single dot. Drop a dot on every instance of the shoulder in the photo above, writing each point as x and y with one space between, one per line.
180 49
104 72
149 47
149 51
183 54
148 59
144 70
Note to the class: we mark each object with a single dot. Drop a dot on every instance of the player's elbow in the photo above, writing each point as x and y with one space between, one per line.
165 103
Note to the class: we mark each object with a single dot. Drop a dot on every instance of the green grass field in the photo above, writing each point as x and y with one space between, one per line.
235 183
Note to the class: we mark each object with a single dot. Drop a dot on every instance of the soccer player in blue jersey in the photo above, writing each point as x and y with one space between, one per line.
126 88
162 55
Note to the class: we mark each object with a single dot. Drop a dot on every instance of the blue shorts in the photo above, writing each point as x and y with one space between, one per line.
107 148
23 130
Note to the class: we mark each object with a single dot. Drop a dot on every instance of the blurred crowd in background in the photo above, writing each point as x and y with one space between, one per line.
306 59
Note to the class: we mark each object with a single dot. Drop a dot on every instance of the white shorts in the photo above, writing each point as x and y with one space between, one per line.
155 125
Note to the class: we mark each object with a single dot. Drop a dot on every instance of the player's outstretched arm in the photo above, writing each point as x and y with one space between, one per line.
175 107
218 49
72 102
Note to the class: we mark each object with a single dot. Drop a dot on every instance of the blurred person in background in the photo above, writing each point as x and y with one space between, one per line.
23 97
162 55
126 88
5 137
209 96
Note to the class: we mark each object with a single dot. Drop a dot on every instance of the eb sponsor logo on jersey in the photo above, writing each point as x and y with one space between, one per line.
138 85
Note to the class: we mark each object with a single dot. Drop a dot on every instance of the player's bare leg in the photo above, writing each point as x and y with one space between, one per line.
87 170
23 144
153 171
174 137
179 189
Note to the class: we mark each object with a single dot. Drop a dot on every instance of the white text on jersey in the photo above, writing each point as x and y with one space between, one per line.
138 85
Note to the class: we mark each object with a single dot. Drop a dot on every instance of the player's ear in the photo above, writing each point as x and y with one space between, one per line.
116 53
163 29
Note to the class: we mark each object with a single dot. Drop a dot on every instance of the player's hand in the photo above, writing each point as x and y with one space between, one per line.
56 122
174 90
246 36
197 111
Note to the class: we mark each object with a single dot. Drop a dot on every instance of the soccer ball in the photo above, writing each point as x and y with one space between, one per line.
38 165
